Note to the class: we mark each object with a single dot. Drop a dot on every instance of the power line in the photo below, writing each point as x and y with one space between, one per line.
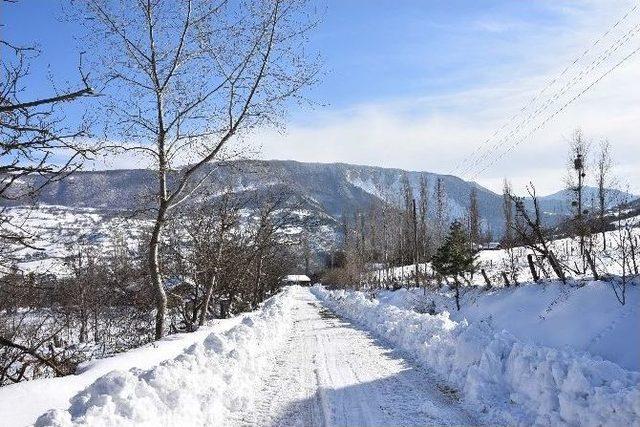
464 163
549 102
571 101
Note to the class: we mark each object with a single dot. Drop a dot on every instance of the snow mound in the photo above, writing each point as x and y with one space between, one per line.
517 382
585 317
201 386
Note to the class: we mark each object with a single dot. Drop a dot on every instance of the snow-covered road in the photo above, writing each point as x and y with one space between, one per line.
332 373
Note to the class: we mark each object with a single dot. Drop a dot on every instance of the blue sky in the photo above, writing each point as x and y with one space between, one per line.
372 50
419 84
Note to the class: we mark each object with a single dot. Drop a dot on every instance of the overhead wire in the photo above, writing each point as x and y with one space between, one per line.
466 165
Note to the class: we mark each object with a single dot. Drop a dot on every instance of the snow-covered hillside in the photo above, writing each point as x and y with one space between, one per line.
60 232
57 232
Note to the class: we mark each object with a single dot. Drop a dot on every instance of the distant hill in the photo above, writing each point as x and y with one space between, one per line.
325 191
560 202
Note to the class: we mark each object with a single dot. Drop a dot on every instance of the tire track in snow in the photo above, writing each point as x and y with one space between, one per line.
331 373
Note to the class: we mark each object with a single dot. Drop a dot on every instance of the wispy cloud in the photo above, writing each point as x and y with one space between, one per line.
427 132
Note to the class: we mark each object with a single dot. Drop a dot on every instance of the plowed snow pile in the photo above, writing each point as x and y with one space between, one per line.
199 387
520 383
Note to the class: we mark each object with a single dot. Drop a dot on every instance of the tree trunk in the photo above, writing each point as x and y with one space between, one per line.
555 265
212 283
457 290
207 298
154 271
486 278
532 267
506 279
592 265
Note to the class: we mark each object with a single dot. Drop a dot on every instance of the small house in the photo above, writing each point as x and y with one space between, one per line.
296 279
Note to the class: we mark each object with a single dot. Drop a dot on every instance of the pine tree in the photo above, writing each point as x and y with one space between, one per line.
455 257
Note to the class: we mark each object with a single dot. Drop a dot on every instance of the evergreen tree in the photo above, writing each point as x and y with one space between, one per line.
455 257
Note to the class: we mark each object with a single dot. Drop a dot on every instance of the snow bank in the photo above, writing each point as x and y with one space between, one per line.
22 403
201 386
586 318
518 382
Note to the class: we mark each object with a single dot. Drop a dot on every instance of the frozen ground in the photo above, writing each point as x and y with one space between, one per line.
22 403
295 362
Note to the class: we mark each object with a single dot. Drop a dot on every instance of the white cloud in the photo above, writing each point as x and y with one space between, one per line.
435 133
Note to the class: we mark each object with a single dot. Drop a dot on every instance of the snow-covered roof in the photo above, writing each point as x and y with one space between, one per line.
296 278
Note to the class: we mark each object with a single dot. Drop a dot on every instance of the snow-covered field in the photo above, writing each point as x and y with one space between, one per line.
60 232
580 317
538 374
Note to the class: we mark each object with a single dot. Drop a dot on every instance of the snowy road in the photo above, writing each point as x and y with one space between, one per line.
331 373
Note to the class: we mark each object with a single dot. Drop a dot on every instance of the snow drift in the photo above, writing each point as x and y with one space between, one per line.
517 382
201 386
583 316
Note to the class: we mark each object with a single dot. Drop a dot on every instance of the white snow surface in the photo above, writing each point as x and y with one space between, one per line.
201 386
516 382
292 362
330 373
583 317
22 403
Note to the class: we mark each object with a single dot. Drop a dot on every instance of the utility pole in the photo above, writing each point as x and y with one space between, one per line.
578 165
415 242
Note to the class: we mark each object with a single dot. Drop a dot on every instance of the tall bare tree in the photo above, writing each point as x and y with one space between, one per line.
423 215
577 172
186 78
507 213
604 181
441 211
474 218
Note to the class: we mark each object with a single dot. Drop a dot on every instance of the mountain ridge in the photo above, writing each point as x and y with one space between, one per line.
334 189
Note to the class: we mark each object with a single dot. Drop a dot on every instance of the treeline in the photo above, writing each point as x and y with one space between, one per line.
222 256
405 232
415 242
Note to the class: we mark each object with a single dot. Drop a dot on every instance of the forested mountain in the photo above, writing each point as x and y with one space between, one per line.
326 191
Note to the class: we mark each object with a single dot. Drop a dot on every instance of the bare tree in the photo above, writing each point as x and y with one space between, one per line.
577 171
507 214
604 181
508 242
441 212
423 215
186 78
473 215
531 231
37 145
